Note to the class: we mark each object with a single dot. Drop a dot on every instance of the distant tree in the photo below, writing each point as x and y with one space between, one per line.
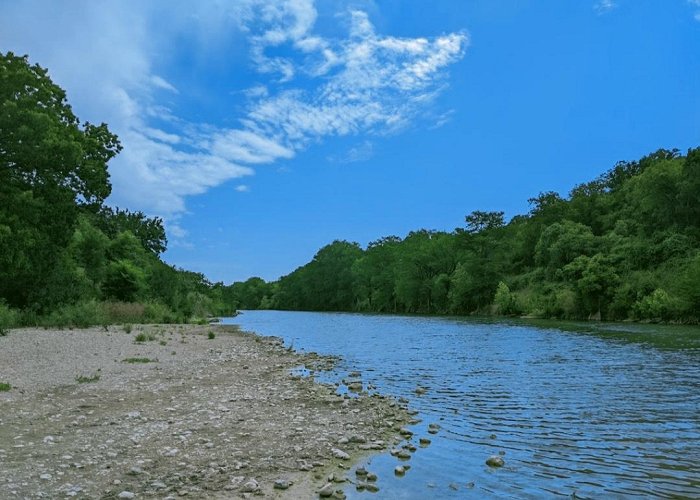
479 221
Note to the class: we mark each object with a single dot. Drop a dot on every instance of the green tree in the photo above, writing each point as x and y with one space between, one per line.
51 167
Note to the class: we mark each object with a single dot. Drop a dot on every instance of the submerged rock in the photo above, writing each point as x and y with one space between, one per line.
326 491
495 461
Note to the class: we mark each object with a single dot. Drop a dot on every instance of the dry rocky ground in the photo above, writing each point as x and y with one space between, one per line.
221 417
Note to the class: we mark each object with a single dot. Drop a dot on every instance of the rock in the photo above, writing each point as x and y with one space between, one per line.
326 491
454 486
361 472
405 432
340 454
355 387
399 470
424 441
45 477
356 438
250 486
421 390
403 455
372 487
282 484
372 477
158 485
495 461
126 494
360 486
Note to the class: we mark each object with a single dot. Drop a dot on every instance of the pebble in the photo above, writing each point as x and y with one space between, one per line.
126 494
399 470
337 453
282 484
424 441
326 491
250 486
45 477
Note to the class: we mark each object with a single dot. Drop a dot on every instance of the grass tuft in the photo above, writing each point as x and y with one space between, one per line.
87 379
4 387
139 360
212 335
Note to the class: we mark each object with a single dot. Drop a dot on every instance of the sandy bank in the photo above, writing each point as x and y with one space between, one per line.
205 418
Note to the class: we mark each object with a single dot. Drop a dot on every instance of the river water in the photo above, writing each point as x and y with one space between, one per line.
580 410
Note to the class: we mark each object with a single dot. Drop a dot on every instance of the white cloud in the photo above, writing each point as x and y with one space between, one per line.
105 55
603 6
361 152
242 188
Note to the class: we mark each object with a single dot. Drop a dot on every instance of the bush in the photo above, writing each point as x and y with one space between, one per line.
80 315
212 335
658 305
504 301
155 312
4 387
124 312
9 318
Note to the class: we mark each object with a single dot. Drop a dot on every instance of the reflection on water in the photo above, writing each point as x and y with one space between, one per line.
586 410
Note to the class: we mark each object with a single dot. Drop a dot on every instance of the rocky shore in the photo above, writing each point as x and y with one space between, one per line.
178 411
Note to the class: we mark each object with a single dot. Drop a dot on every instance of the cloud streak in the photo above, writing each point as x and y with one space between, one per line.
359 82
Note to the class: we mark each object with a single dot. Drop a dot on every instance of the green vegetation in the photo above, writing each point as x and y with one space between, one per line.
623 246
4 387
67 259
145 337
87 379
139 360
211 336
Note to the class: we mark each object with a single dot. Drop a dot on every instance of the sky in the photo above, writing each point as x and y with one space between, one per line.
262 130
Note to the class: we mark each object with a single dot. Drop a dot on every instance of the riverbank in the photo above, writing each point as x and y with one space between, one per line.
175 410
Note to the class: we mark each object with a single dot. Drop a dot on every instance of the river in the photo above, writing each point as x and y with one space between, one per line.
580 410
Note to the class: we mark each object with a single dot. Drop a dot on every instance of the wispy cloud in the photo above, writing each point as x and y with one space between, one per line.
242 188
315 86
361 152
696 4
604 6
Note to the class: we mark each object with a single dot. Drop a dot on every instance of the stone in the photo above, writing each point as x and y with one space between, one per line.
454 486
126 494
405 432
371 476
337 453
326 491
45 477
399 470
372 487
424 441
403 455
282 484
250 486
495 461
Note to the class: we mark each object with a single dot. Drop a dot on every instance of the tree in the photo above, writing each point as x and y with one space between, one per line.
51 167
479 221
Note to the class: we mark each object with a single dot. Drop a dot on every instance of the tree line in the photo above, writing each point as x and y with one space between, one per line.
65 256
623 246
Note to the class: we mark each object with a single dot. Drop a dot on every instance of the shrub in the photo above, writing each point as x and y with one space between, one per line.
124 312
8 319
80 315
212 335
4 387
657 305
504 301
127 328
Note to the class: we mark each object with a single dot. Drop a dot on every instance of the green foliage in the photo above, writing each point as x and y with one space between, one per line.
87 379
4 387
9 318
506 302
211 335
62 251
139 360
623 246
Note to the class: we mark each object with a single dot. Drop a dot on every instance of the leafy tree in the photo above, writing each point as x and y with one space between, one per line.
50 167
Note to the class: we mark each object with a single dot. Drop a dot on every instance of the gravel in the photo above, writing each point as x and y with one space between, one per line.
205 418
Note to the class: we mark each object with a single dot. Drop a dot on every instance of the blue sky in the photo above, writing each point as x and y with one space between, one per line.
263 130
